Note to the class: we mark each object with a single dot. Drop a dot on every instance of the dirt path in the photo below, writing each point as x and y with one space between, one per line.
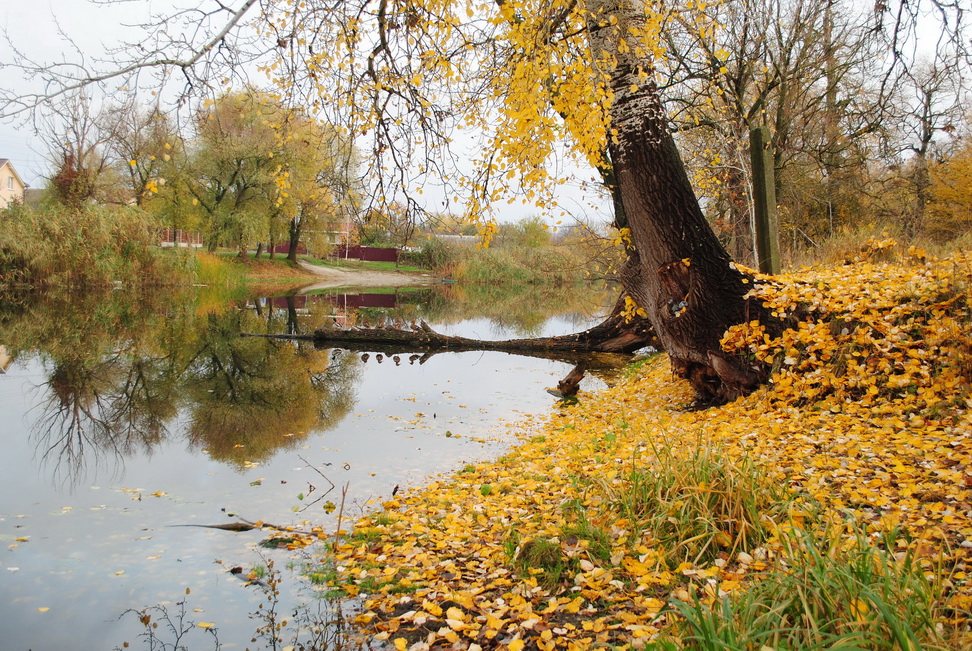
362 278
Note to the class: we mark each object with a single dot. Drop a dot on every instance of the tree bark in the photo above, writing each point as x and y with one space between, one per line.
680 274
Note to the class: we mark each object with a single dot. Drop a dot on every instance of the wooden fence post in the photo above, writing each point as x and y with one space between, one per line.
764 201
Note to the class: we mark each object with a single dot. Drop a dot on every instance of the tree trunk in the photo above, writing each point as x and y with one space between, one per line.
679 274
594 350
294 239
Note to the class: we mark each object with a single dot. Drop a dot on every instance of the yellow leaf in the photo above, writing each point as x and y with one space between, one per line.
206 625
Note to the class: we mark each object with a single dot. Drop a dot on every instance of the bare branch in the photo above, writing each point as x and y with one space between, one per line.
66 77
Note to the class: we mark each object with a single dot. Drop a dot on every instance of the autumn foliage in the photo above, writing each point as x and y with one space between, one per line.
839 492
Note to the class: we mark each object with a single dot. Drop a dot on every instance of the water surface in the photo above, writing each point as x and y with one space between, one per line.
123 417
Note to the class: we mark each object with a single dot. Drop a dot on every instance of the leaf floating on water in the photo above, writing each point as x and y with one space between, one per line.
152 558
13 569
206 625
119 572
43 609
22 538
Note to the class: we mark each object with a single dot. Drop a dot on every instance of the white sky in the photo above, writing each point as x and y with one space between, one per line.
94 27
32 28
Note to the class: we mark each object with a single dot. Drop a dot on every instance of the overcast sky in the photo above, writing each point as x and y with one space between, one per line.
33 29
32 26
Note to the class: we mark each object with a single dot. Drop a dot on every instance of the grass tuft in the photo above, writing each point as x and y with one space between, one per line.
702 503
544 560
825 593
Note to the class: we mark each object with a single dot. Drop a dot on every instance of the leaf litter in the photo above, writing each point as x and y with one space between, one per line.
865 422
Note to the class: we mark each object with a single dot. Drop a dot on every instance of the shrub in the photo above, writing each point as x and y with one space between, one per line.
434 254
96 246
521 265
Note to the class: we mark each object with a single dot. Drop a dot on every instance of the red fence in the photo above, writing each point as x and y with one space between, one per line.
368 253
285 249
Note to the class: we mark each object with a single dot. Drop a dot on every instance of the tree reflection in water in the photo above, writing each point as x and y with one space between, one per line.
127 372
121 370
250 396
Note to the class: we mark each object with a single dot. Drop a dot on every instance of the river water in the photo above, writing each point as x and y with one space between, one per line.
123 418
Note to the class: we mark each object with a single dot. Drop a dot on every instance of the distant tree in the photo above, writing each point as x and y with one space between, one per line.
390 226
797 66
316 185
142 145
930 109
259 172
76 135
231 166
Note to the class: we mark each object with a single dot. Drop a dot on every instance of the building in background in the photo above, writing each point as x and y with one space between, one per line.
12 187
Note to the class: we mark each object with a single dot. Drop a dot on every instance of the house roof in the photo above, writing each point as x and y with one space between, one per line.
6 161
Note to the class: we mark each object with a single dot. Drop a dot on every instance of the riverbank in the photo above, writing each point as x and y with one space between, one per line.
310 276
830 507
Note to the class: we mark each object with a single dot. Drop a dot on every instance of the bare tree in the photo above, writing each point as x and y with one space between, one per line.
77 136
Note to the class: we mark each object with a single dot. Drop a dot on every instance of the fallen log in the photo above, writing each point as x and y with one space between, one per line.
424 338
613 335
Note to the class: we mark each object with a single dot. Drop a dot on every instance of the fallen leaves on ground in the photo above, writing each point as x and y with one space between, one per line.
866 415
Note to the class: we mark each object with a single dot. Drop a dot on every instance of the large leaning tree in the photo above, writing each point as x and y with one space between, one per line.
484 96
